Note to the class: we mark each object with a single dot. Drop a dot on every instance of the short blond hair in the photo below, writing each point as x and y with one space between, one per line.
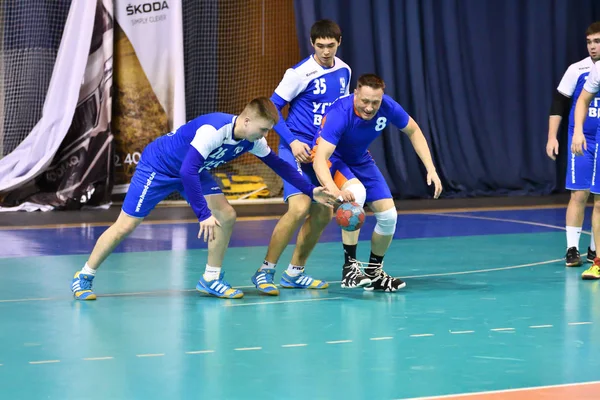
263 107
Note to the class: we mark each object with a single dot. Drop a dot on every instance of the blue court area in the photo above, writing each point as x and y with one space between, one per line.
489 305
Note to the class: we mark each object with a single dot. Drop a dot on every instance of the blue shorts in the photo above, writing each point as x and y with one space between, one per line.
148 187
285 153
367 173
580 168
339 171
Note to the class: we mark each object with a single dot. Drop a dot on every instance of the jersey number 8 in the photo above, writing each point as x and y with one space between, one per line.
381 123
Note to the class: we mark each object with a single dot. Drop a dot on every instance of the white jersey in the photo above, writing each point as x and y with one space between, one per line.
211 135
592 84
310 89
575 79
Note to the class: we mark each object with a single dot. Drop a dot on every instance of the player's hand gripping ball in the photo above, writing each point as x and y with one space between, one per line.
350 216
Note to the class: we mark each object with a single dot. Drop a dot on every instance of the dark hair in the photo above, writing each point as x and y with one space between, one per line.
263 107
324 29
370 80
593 29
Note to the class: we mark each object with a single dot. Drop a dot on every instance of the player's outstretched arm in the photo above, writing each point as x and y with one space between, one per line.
321 165
578 144
419 143
190 178
289 173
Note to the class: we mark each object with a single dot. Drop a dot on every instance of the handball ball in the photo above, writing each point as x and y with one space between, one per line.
350 216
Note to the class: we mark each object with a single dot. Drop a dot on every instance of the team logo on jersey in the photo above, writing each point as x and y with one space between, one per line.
343 85
238 150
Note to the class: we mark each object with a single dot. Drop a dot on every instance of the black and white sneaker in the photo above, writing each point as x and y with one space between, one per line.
573 258
380 280
591 255
352 276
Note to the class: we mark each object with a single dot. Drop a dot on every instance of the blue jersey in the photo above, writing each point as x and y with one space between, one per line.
571 85
210 134
182 159
353 135
310 89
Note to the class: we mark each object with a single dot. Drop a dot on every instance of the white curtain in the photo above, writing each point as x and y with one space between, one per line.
36 152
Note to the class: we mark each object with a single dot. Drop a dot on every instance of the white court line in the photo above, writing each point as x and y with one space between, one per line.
540 326
98 358
200 352
338 341
498 358
382 338
580 323
477 271
295 345
150 355
281 301
422 335
248 348
515 221
461 332
502 329
527 389
44 362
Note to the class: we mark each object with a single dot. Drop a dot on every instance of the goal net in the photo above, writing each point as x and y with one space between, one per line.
233 51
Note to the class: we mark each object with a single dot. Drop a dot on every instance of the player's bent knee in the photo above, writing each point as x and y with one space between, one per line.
321 214
227 216
125 224
299 206
386 222
359 192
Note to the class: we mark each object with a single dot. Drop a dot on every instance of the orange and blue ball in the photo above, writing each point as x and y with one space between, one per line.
350 216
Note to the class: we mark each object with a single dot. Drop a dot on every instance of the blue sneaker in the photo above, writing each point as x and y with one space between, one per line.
81 286
219 288
263 280
301 281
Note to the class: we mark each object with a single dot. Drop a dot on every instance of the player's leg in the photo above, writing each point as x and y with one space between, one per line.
593 272
212 282
299 206
591 155
308 236
578 181
352 275
310 232
380 201
146 190
574 221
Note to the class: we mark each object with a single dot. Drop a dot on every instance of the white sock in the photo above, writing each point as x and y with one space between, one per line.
211 273
573 233
294 270
267 265
592 243
87 270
